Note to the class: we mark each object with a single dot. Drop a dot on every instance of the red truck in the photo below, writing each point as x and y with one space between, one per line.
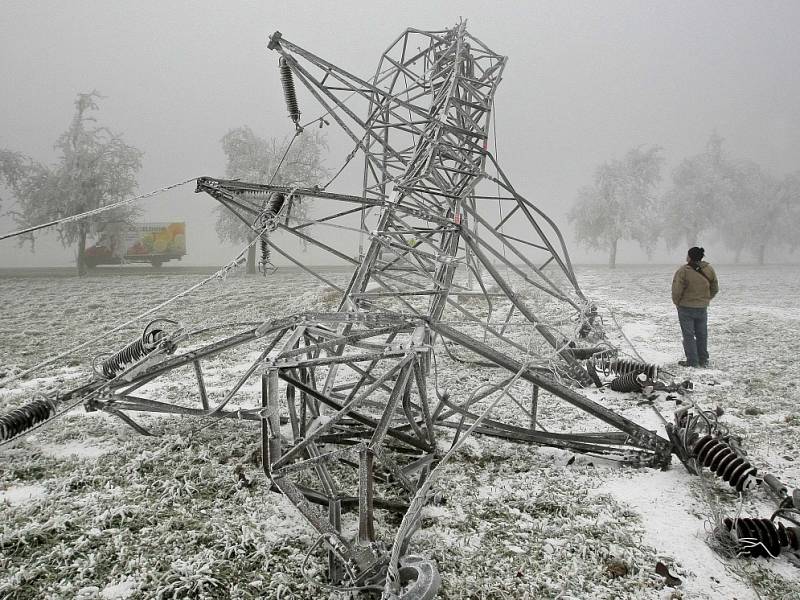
154 243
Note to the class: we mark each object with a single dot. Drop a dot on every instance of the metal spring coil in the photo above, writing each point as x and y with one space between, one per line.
265 252
269 210
134 351
287 82
275 204
725 463
266 222
25 417
630 382
762 537
624 366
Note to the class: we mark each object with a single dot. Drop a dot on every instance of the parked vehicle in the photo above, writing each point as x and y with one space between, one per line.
154 243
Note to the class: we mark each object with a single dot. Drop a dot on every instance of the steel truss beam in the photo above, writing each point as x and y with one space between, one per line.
347 417
425 144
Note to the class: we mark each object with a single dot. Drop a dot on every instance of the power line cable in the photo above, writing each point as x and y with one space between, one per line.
95 211
219 274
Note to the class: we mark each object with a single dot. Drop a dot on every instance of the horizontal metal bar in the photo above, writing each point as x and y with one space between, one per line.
547 439
407 439
139 404
641 437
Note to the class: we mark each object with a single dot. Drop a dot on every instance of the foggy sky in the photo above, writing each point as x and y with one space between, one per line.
585 82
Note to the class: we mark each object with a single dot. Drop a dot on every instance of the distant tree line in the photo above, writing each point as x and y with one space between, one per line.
711 194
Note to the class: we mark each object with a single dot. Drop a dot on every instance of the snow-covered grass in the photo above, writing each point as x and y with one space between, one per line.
90 509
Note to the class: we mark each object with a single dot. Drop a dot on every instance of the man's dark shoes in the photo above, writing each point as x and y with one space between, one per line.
685 363
703 364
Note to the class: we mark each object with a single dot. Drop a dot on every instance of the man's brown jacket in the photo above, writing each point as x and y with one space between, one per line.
693 289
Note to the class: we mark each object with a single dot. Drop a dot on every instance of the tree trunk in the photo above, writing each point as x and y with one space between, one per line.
761 251
612 255
251 257
81 260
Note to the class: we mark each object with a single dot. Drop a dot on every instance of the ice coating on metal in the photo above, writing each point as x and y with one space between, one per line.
349 418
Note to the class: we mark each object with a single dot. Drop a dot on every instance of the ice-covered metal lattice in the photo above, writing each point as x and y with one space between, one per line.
450 257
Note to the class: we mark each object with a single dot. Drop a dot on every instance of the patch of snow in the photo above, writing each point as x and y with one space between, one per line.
640 330
432 511
777 312
657 357
21 494
675 526
81 449
498 490
119 591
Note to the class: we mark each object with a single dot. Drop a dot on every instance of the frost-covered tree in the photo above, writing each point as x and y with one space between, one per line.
771 224
702 187
760 211
619 204
254 159
13 167
792 222
747 185
95 167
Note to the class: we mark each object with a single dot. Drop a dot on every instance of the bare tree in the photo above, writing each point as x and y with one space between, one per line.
257 160
620 203
95 168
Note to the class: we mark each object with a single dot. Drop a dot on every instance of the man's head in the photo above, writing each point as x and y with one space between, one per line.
695 254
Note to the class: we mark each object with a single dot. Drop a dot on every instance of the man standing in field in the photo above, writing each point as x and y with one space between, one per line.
693 287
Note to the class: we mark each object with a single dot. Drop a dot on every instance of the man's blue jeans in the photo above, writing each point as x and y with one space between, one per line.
694 326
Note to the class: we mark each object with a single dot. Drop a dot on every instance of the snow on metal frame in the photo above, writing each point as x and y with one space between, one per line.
348 415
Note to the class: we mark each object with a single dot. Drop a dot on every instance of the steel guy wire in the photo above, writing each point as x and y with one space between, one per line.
219 274
625 337
95 211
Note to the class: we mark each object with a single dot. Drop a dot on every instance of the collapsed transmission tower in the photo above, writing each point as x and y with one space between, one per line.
451 256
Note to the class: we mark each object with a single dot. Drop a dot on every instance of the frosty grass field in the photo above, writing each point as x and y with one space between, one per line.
90 509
